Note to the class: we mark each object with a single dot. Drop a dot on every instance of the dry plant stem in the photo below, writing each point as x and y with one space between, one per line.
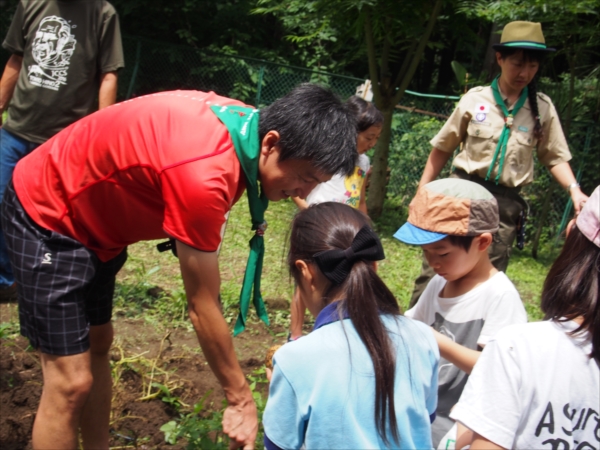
155 360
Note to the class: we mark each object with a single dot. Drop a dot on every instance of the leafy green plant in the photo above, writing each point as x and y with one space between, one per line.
198 429
167 396
201 428
9 330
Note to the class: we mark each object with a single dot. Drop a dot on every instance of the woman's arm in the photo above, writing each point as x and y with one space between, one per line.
462 357
564 175
435 163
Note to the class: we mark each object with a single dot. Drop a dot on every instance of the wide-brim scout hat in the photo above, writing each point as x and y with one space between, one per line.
451 206
523 35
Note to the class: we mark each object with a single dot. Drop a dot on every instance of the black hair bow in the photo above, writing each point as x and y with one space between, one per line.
336 264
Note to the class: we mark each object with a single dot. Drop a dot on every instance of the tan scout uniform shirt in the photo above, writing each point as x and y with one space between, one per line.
477 122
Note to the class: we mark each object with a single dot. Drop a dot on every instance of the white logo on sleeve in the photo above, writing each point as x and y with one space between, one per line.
47 258
53 46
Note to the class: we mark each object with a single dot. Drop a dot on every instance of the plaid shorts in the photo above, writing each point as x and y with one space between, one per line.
63 287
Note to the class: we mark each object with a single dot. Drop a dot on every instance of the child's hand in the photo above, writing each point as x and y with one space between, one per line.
269 361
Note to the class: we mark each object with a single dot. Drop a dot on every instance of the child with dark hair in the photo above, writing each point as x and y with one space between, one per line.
468 300
351 188
343 188
366 377
537 385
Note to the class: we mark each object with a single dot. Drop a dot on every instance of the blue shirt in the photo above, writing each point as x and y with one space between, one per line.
322 392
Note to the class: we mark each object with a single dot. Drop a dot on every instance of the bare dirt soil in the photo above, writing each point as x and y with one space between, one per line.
142 354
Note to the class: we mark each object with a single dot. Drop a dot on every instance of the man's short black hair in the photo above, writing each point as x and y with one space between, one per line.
463 242
313 124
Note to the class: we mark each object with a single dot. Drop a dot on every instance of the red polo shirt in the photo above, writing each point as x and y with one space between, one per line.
156 166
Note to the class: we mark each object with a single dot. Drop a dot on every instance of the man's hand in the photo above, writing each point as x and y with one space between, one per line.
240 423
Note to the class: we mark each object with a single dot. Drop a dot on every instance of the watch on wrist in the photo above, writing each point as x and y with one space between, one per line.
572 185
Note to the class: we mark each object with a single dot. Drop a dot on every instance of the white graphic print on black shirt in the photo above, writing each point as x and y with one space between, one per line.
52 49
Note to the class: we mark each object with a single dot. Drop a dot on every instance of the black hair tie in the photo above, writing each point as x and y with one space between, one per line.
336 264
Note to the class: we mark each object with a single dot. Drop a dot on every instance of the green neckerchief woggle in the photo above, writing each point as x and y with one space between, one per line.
508 121
242 124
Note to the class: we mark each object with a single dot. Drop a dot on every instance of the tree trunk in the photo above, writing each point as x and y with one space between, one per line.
386 99
488 69
377 185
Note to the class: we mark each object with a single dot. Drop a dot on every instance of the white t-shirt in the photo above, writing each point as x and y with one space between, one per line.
470 320
535 387
342 189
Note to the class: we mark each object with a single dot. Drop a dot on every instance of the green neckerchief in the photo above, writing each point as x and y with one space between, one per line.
242 124
508 121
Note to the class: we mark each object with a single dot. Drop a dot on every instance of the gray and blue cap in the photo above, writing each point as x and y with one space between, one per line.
450 206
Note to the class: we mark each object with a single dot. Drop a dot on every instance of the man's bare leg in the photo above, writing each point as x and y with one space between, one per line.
67 383
96 412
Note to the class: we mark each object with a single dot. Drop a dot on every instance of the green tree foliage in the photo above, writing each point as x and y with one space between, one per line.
313 37
390 36
223 25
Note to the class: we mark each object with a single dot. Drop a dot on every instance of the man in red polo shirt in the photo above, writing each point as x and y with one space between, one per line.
171 165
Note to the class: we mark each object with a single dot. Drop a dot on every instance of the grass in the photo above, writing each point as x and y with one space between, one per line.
146 268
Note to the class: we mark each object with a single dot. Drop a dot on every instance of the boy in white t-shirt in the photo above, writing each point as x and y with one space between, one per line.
468 301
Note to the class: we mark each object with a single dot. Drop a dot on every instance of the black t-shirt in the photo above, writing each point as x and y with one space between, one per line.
66 45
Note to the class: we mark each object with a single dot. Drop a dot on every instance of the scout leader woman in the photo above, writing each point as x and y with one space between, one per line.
499 127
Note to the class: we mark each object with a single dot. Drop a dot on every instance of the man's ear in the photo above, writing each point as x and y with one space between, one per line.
269 142
484 240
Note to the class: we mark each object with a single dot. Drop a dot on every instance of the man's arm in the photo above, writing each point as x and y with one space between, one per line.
564 175
9 81
107 94
434 165
462 357
201 279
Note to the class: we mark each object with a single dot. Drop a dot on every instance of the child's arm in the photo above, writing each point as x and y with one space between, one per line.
300 203
464 436
481 443
362 204
462 357
297 312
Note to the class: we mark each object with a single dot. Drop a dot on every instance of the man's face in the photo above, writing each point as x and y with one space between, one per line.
289 178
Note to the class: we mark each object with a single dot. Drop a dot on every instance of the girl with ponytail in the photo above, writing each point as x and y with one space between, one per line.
366 377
